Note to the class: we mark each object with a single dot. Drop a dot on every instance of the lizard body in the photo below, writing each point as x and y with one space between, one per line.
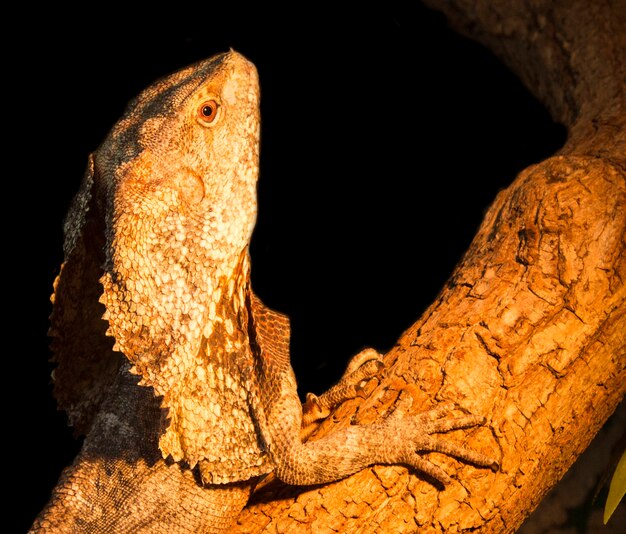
175 370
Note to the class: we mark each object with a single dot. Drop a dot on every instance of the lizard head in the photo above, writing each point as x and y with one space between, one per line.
187 147
176 182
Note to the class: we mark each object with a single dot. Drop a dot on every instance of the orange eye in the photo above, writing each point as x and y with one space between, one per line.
208 111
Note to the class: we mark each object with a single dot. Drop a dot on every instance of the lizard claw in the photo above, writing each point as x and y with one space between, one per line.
313 409
363 358
413 436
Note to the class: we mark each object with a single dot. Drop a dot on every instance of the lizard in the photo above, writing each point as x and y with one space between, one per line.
176 372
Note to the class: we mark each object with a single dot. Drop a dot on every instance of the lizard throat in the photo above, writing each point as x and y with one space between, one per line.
158 321
195 354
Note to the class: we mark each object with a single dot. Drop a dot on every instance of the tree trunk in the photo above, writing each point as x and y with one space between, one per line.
530 331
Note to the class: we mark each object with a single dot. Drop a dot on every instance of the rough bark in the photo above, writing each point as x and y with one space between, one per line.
530 330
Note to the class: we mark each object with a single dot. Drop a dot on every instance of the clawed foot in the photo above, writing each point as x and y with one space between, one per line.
403 437
365 365
412 435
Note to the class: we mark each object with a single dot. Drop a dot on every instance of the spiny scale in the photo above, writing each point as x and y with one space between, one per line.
156 282
179 200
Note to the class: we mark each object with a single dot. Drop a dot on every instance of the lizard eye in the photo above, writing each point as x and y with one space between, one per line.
207 111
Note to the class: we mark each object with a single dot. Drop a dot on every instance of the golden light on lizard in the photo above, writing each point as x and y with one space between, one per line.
157 245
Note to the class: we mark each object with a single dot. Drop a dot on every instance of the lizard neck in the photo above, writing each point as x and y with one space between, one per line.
227 299
218 368
160 307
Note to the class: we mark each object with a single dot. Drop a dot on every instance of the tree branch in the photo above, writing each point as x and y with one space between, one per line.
530 330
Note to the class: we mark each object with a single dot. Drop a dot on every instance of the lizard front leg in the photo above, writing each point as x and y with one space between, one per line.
398 439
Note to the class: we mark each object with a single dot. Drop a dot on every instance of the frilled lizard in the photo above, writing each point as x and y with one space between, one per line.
167 361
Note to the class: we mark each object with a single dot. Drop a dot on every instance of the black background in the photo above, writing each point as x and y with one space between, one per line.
384 138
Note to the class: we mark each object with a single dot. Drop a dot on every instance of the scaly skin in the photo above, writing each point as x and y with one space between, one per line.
176 371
